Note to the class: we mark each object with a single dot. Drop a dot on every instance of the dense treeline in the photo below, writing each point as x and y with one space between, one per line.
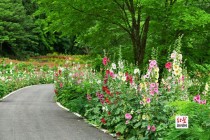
23 34
138 27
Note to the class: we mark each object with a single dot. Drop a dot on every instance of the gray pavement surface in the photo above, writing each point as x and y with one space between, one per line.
32 114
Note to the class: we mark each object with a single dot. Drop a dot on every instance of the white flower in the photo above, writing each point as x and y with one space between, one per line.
173 55
136 71
120 73
206 87
99 82
120 63
104 108
113 66
180 56
124 78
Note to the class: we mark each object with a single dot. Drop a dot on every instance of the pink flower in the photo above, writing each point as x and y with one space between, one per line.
168 65
128 116
141 103
146 76
152 85
197 98
89 97
202 101
105 61
156 90
152 63
173 55
127 122
153 129
152 92
148 100
148 127
112 74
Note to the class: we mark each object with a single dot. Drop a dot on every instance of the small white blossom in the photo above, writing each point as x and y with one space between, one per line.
124 78
120 64
136 71
99 82
113 66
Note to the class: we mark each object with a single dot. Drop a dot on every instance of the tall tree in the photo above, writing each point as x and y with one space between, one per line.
83 16
15 27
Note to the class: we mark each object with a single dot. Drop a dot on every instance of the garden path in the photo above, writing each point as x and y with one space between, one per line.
32 114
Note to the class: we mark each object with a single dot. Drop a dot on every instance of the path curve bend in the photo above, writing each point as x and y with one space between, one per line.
32 114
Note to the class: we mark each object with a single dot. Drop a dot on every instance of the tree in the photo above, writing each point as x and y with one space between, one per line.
83 17
15 27
141 24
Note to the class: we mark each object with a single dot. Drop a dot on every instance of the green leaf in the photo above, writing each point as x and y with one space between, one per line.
120 128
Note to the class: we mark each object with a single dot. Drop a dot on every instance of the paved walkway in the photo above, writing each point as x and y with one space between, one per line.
32 114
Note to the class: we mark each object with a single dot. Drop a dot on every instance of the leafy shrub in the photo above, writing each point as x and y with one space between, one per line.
199 121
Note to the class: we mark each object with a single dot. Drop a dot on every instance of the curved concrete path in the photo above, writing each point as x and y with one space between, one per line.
32 114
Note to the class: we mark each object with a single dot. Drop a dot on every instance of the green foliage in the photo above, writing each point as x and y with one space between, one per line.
73 98
16 28
199 121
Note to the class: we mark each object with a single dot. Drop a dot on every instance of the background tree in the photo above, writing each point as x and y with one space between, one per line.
119 18
16 28
137 25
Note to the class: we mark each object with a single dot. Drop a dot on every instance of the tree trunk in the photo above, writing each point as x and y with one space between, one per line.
139 42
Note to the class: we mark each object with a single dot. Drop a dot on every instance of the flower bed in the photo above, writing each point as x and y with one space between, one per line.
16 75
133 105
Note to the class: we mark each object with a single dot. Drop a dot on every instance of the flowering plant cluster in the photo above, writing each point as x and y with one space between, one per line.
126 103
14 76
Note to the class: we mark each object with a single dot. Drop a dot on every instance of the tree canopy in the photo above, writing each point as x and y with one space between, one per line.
138 25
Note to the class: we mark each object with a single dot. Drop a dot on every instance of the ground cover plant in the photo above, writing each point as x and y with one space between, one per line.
136 105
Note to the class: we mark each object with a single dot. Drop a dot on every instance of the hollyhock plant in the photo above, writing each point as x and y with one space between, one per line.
89 97
128 116
148 100
197 98
168 66
173 55
114 66
61 85
148 127
103 121
105 61
136 71
153 63
153 128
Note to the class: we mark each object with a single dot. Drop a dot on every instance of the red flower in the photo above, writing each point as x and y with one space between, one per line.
103 121
59 71
107 101
118 134
129 78
105 89
109 113
61 85
56 92
168 65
